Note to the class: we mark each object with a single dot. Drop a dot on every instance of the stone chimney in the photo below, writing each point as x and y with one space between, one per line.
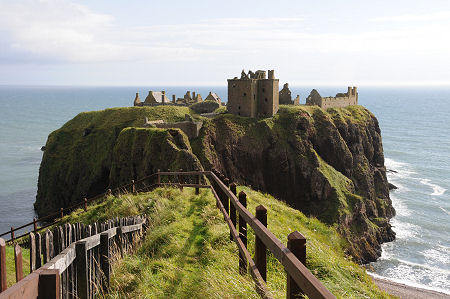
137 100
271 74
174 99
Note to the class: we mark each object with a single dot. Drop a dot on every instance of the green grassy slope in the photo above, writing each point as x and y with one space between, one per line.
187 253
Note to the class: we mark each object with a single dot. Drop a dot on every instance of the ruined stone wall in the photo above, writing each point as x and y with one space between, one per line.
340 100
242 95
191 129
268 97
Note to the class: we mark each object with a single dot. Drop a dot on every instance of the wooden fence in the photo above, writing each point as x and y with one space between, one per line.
234 209
75 259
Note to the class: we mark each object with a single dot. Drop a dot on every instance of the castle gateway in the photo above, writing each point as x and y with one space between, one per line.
253 95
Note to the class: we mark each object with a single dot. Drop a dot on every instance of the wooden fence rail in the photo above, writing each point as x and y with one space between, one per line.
77 259
234 209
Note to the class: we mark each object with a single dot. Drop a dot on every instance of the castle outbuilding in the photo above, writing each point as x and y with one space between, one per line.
286 98
340 100
253 95
153 98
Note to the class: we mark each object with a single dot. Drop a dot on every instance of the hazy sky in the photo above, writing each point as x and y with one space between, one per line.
106 42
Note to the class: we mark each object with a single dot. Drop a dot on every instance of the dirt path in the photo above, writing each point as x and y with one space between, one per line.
407 292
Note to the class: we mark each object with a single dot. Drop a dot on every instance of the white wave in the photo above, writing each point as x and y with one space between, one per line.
400 168
404 230
437 190
399 206
434 255
445 211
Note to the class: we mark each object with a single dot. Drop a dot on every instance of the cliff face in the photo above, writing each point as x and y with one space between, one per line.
97 150
326 164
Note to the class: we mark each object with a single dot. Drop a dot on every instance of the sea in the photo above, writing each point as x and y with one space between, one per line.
415 126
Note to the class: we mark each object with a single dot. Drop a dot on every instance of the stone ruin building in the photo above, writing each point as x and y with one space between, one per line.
286 98
190 127
340 100
212 96
156 98
253 95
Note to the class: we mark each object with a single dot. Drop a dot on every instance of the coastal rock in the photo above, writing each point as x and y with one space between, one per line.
392 186
328 164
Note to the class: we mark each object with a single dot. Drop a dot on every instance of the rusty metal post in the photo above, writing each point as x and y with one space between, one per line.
49 284
260 248
297 245
18 262
62 212
242 234
3 283
85 204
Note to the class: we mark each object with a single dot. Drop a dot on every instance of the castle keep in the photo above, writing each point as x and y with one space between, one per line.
253 95
340 100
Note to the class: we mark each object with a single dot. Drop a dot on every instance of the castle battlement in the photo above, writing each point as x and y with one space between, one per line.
253 94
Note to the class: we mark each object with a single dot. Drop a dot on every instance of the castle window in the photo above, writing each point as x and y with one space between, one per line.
245 94
263 90
265 99
239 107
254 97
234 85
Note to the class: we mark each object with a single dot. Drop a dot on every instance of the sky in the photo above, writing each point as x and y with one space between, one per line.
151 43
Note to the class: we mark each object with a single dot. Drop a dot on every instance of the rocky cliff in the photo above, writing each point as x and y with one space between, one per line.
328 164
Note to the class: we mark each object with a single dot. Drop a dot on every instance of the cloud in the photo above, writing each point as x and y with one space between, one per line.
437 16
63 32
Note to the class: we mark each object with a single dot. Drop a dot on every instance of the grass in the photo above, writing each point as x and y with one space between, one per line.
10 264
187 253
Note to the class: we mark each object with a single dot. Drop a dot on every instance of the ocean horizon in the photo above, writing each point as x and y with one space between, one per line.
414 123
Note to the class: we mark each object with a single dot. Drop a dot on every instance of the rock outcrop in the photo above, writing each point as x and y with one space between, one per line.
328 164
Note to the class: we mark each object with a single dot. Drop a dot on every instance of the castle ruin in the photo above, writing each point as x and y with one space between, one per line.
286 98
253 95
340 100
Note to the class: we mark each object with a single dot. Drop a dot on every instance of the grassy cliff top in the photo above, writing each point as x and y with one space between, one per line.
187 253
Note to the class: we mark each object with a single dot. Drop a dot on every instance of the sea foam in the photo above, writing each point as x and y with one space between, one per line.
437 190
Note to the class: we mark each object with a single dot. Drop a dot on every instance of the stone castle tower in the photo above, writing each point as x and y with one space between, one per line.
253 95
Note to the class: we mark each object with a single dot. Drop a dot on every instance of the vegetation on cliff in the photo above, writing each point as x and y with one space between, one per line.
327 164
187 253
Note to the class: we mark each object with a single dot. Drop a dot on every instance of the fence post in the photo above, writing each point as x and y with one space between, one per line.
12 234
32 252
62 212
46 247
260 248
197 181
168 176
49 284
34 224
297 245
104 260
3 284
18 262
242 234
180 180
158 177
38 250
82 270
232 208
226 204
85 204
120 240
133 187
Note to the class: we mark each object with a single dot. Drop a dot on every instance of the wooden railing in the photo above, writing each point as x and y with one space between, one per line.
234 209
78 258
